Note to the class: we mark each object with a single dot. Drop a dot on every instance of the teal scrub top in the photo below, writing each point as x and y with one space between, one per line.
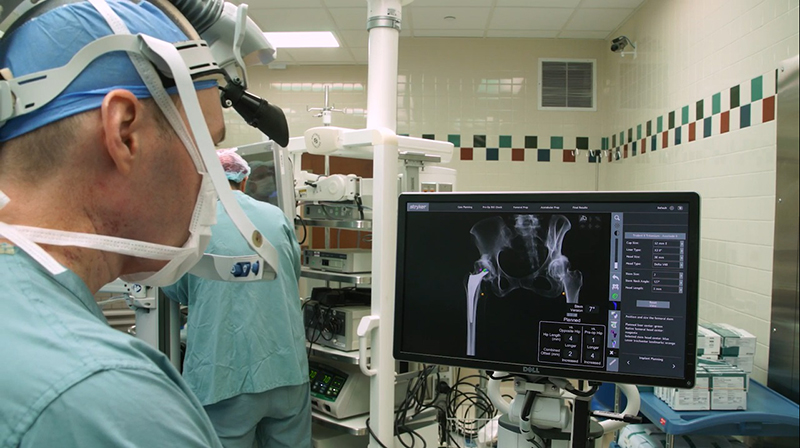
245 337
67 379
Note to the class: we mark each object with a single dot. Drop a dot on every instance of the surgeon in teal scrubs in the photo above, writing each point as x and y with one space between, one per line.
93 161
245 350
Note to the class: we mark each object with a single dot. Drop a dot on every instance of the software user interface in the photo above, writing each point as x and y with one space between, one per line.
580 286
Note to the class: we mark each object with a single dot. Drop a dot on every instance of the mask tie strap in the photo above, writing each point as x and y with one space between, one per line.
32 249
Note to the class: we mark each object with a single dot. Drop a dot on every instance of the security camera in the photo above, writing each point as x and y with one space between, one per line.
619 44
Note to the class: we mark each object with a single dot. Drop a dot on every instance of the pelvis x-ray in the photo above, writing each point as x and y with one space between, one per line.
520 255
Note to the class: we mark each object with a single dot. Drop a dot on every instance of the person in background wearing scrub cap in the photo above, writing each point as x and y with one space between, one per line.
245 350
100 159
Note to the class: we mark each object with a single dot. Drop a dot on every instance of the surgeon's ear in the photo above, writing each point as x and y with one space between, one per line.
123 120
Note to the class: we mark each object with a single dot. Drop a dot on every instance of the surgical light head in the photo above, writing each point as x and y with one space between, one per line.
235 167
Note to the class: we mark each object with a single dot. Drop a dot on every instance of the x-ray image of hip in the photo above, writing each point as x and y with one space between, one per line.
522 254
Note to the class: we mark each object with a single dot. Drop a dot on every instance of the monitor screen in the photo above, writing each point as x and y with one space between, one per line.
596 286
269 181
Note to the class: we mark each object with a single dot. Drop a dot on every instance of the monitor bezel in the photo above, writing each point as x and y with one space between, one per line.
693 240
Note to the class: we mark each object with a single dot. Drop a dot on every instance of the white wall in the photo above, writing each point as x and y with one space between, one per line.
689 51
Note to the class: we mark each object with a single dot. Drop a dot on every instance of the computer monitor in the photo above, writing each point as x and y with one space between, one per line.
595 286
271 175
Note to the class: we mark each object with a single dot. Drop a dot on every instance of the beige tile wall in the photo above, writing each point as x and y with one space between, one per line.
453 86
688 51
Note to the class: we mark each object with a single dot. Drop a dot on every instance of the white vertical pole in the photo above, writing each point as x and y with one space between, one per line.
384 32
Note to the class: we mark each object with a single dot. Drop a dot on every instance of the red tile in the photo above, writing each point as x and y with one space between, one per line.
664 139
466 153
769 109
518 155
692 131
644 145
568 155
625 152
610 156
725 122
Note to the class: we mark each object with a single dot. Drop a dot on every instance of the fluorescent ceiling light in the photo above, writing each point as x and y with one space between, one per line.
304 39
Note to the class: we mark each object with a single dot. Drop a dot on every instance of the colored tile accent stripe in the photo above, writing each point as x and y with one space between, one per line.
543 155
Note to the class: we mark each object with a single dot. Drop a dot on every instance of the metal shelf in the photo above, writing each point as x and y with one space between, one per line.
355 279
333 354
337 224
356 426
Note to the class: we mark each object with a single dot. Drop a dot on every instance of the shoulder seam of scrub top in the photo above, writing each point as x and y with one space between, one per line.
85 371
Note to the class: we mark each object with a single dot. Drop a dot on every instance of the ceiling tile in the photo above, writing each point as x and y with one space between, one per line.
453 3
523 33
465 18
575 34
597 19
353 38
448 33
361 54
344 3
322 55
294 19
611 3
350 18
539 3
281 4
529 18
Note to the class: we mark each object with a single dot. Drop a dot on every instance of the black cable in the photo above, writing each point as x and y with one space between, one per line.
374 437
305 230
360 207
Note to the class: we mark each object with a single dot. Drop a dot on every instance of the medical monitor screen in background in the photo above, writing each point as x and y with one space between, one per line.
598 286
271 178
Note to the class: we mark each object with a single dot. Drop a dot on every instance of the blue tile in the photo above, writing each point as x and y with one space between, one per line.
654 143
678 135
707 127
543 155
633 148
744 121
492 154
593 158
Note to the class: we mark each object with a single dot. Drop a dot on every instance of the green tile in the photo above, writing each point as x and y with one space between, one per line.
685 115
531 141
672 120
716 104
649 128
660 125
582 143
639 132
735 97
455 139
756 89
505 141
698 113
622 137
556 142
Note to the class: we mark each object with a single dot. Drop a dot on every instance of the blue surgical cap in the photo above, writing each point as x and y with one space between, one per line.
52 38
